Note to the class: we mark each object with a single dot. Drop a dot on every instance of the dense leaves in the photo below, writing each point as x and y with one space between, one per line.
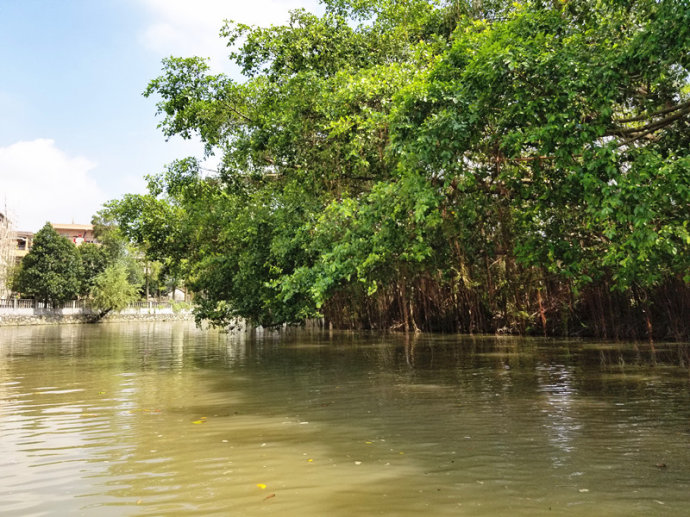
112 290
470 166
55 271
52 270
94 260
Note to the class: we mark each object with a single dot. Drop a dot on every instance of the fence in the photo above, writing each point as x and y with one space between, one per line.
150 305
14 303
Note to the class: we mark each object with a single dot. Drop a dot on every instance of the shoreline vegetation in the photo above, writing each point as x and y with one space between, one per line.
476 167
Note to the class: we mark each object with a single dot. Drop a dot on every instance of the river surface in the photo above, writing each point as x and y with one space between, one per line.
165 419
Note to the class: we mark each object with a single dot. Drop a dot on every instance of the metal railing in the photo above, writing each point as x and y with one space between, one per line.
150 305
16 303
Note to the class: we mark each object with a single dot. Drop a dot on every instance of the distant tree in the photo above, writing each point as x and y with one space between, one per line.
118 247
94 260
113 242
155 232
112 290
51 271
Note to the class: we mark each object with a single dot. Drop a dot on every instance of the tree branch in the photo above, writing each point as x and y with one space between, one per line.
238 113
655 114
653 126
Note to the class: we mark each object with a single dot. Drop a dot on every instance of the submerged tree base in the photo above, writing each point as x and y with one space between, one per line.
597 311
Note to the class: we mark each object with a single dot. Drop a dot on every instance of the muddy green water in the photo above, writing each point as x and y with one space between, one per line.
164 419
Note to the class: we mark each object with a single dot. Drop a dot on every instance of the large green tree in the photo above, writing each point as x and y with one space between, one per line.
51 271
439 165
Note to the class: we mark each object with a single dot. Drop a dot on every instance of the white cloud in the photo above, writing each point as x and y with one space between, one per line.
190 28
39 183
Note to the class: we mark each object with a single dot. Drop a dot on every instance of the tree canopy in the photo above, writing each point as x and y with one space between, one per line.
112 290
94 260
56 271
52 270
442 165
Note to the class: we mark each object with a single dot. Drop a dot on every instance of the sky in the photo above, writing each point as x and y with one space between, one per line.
75 130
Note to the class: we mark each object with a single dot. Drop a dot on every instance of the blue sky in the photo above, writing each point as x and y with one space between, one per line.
75 130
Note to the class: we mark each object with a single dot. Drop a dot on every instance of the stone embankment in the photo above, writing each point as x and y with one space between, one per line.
30 312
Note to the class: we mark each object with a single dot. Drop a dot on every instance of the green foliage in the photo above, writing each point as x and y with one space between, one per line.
563 115
113 242
112 290
461 165
51 271
94 260
126 244
387 235
178 307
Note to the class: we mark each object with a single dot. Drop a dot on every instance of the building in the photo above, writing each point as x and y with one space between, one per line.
77 233
20 242
23 240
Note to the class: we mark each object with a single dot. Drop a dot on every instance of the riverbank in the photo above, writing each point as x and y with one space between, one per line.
14 314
